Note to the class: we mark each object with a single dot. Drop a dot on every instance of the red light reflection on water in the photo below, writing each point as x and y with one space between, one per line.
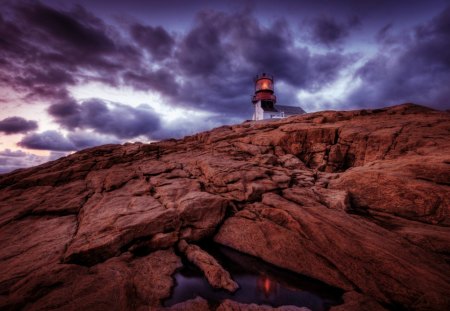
267 286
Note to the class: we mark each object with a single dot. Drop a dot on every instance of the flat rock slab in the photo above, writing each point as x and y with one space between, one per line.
339 249
38 245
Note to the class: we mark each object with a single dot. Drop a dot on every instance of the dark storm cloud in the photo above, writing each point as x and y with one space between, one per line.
161 80
328 30
383 34
63 48
45 49
203 51
222 53
10 38
67 113
59 49
209 68
115 119
155 39
16 125
55 141
68 30
417 69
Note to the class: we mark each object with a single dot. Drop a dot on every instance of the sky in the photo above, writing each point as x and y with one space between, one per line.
77 74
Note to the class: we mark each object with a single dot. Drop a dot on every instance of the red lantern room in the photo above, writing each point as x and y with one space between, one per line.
264 101
264 91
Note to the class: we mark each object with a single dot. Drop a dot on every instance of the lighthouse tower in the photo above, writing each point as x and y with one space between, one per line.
264 101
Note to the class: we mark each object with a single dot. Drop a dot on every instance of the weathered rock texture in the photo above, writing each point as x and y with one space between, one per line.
216 275
197 304
200 304
358 199
229 305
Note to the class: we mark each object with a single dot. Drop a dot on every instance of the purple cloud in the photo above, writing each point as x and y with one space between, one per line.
55 141
114 119
12 160
17 125
156 40
222 53
49 140
208 68
328 31
12 153
416 69
58 49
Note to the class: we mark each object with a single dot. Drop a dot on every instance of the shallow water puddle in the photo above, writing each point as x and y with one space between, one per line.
259 282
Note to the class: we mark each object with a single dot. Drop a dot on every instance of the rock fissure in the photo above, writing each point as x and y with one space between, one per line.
393 143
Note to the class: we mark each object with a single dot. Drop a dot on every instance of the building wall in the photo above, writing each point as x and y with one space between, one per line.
273 115
264 115
258 111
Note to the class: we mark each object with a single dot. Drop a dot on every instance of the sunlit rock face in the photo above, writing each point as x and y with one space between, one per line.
359 200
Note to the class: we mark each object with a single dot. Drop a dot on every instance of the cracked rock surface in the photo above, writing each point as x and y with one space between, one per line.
359 200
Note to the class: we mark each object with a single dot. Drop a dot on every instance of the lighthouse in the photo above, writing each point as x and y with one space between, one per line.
265 102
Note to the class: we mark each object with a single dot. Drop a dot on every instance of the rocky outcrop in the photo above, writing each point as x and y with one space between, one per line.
197 304
32 245
120 283
356 199
200 304
229 305
216 275
317 241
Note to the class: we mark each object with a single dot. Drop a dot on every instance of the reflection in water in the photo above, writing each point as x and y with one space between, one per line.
259 283
265 285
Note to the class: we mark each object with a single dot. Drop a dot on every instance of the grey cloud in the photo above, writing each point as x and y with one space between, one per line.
48 140
16 125
156 40
58 49
83 140
55 141
209 68
115 119
12 153
161 80
417 70
68 30
327 30
222 53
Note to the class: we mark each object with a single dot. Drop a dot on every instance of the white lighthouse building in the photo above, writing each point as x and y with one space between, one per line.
265 102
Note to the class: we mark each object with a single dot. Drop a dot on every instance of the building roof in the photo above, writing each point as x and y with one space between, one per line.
288 110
